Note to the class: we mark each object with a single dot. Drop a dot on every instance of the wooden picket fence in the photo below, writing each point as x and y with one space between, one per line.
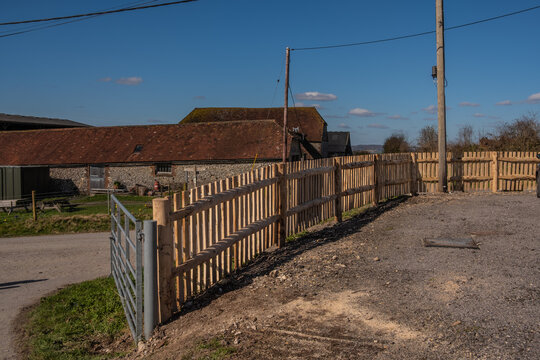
479 171
208 232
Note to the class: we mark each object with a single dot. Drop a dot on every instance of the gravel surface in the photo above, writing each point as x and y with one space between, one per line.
32 267
369 289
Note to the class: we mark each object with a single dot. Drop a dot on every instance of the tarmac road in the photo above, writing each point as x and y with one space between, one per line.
31 267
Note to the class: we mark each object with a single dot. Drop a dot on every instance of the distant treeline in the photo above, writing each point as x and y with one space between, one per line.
522 134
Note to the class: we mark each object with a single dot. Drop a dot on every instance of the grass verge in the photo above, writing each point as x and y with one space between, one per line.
91 215
77 322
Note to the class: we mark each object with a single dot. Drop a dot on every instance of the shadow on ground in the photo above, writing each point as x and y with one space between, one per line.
273 258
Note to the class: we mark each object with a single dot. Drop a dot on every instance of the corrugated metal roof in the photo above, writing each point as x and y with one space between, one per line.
238 140
306 119
8 118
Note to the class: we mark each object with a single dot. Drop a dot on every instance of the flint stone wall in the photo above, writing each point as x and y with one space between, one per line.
68 179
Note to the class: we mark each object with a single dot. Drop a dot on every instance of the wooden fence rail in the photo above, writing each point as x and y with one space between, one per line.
214 229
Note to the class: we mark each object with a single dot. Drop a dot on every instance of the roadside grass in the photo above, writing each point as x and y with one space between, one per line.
77 322
91 215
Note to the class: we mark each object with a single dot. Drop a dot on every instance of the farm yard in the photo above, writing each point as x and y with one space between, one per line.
367 288
86 214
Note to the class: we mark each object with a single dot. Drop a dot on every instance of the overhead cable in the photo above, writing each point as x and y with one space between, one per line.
97 13
417 34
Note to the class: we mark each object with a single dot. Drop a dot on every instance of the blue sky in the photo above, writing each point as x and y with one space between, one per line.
155 66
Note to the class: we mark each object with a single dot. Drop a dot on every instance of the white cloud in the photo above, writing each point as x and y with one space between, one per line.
336 116
479 115
315 96
431 109
533 99
105 79
378 126
302 104
466 103
343 126
397 117
133 80
504 102
362 112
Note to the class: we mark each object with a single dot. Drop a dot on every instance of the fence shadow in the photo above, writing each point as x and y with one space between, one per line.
267 261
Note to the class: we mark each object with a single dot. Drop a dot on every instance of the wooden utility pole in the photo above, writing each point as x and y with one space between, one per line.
441 101
286 105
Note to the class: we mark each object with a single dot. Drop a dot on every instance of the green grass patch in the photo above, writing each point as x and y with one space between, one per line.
76 322
212 349
355 212
87 217
297 236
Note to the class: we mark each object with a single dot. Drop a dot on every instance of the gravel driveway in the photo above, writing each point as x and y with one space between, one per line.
369 289
31 267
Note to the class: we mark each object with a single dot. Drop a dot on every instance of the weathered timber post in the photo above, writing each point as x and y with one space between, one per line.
495 171
414 180
161 208
236 208
282 190
177 245
375 179
337 189
150 278
34 214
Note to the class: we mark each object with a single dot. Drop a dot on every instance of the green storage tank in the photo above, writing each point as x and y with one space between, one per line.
17 182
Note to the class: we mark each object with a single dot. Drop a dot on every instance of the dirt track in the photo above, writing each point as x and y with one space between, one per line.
368 289
33 266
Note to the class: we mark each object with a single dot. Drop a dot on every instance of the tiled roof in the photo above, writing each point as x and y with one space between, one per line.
40 121
238 140
306 119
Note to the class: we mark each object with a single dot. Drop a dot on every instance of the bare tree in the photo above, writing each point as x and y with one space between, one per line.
428 139
522 134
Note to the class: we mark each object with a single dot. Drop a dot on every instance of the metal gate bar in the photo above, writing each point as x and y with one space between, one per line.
126 236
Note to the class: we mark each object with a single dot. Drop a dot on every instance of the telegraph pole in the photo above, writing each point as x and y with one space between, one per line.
441 101
286 105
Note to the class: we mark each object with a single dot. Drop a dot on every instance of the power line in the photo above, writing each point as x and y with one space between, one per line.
32 28
97 13
417 34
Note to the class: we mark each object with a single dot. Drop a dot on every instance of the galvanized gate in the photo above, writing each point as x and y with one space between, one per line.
127 239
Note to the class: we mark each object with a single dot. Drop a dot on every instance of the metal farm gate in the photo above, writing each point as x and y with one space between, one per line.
127 239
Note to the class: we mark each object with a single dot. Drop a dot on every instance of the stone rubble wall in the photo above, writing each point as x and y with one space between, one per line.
68 179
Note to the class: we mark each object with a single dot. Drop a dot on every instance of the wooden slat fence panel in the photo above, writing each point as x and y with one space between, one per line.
221 226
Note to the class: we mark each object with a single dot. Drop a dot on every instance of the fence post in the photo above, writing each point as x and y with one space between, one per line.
282 193
375 179
150 278
161 208
337 189
34 214
495 171
414 180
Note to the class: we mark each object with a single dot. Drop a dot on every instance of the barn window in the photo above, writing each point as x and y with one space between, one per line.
164 169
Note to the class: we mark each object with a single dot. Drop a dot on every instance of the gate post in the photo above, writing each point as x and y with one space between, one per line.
150 278
167 302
